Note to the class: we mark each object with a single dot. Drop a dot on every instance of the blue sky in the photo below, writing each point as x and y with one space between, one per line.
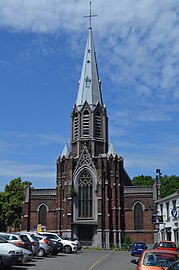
42 46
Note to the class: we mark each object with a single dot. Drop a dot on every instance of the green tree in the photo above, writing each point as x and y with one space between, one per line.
11 203
168 184
142 180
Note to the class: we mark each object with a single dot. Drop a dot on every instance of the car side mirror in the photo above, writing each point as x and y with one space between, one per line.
134 261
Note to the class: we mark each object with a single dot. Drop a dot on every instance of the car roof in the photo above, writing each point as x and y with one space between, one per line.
166 241
139 243
159 251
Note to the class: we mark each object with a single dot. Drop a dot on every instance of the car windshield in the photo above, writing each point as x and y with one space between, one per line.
159 259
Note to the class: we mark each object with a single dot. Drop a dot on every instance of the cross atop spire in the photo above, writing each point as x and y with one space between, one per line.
90 16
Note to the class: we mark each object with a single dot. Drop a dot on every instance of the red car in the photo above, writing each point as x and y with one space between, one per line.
154 259
167 245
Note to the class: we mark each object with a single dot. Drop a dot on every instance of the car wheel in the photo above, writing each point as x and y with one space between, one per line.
41 253
67 249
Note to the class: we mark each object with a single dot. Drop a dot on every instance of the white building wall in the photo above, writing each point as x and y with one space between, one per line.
168 207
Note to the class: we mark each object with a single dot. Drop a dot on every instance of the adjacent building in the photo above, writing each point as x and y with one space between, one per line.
168 209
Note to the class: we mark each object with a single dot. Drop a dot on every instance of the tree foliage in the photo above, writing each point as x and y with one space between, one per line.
168 184
142 180
11 203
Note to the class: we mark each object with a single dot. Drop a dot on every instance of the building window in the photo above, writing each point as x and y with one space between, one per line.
161 209
174 204
86 123
138 217
85 200
167 210
98 125
76 126
42 215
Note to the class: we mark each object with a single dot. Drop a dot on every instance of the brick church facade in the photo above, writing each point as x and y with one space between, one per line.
94 198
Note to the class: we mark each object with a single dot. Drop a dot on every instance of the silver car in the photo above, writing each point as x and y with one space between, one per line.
44 247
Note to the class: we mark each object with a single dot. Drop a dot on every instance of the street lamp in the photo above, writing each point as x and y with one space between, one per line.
158 175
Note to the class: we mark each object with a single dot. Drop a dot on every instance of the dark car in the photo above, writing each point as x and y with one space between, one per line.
138 248
56 246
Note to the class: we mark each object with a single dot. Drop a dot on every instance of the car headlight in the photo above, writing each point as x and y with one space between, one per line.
11 252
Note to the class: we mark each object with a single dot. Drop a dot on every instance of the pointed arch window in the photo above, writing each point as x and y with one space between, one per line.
138 217
76 126
86 123
42 215
98 124
85 200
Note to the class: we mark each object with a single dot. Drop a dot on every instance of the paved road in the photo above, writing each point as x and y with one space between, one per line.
83 260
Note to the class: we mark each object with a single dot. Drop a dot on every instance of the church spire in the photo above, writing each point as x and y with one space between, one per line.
89 85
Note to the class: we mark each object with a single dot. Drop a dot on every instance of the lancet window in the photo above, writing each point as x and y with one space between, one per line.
86 123
42 215
138 217
98 124
85 200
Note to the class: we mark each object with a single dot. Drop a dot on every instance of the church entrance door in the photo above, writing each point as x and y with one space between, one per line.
85 234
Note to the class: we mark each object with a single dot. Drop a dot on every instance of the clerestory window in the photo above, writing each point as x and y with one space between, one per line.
42 215
85 199
138 217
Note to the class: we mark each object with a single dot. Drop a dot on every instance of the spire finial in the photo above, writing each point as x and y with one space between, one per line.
90 16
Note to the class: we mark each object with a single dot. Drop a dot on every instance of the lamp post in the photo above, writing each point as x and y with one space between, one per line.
158 175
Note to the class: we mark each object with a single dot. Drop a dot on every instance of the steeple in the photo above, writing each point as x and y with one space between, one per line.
89 85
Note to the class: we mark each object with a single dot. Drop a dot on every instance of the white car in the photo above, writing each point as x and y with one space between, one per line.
9 253
68 246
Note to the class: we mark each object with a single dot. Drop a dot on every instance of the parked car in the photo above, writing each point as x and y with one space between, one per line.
68 246
19 239
153 259
27 255
34 242
167 245
10 254
75 241
44 246
138 248
57 246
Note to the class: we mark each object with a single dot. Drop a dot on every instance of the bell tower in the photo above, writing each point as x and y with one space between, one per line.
89 119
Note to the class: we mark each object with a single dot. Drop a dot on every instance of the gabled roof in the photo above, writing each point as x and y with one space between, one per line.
89 85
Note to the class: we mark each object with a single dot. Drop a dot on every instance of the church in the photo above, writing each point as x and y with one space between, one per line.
94 198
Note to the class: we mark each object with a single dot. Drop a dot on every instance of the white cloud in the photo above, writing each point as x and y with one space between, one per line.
38 174
138 39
